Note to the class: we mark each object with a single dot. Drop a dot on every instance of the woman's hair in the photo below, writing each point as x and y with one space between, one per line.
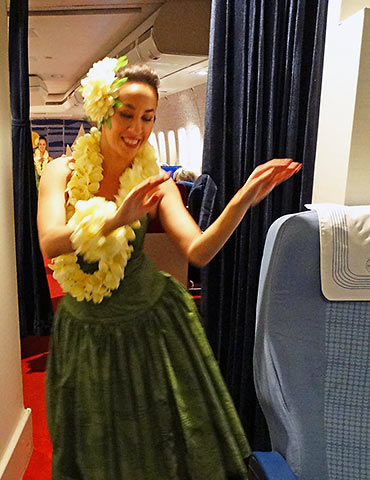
141 73
42 138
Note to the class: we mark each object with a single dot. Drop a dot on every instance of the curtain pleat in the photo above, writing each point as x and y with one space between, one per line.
263 98
35 308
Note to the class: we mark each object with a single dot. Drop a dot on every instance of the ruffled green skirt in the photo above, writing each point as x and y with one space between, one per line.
140 396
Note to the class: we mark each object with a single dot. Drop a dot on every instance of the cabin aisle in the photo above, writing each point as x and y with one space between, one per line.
34 355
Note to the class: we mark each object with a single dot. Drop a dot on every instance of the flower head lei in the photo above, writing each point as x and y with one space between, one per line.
100 89
86 213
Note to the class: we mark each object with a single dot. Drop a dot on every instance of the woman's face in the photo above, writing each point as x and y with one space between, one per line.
132 123
42 145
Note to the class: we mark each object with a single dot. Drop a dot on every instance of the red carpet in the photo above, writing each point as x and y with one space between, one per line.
34 354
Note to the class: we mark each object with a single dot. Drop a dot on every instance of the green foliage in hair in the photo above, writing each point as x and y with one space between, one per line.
117 104
121 62
118 82
107 122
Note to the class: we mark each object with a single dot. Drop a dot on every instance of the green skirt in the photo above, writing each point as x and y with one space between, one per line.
140 396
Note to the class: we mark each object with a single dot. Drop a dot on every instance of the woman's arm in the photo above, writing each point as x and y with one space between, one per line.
54 234
156 192
201 247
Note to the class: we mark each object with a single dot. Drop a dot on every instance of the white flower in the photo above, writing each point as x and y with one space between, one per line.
100 89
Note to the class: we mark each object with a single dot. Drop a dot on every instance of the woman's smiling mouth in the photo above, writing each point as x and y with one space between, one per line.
130 142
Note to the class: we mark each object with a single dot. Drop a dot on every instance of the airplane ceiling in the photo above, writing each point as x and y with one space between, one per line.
65 40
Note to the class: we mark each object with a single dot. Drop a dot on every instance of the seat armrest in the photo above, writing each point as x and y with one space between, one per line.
268 466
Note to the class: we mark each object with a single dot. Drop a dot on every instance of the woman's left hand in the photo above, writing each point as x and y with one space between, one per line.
265 178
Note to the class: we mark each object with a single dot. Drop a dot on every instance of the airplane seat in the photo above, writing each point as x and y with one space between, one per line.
163 252
312 354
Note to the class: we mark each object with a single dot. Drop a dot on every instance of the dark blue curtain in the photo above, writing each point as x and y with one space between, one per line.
35 309
262 102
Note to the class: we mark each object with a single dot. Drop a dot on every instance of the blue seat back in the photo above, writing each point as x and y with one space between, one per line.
201 200
311 359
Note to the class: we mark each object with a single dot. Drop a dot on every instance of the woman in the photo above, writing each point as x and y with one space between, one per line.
133 389
40 158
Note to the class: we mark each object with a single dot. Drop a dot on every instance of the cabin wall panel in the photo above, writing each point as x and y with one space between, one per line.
342 171
180 126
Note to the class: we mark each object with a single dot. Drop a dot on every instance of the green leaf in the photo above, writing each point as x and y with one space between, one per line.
107 122
118 104
119 82
121 62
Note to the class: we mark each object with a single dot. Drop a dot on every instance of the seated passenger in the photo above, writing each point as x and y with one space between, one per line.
182 175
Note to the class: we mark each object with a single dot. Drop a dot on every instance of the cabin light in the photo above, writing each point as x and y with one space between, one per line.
202 72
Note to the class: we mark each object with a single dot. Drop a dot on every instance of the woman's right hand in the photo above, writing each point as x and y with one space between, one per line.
142 199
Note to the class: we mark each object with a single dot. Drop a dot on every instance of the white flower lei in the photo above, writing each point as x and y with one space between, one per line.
87 213
40 165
